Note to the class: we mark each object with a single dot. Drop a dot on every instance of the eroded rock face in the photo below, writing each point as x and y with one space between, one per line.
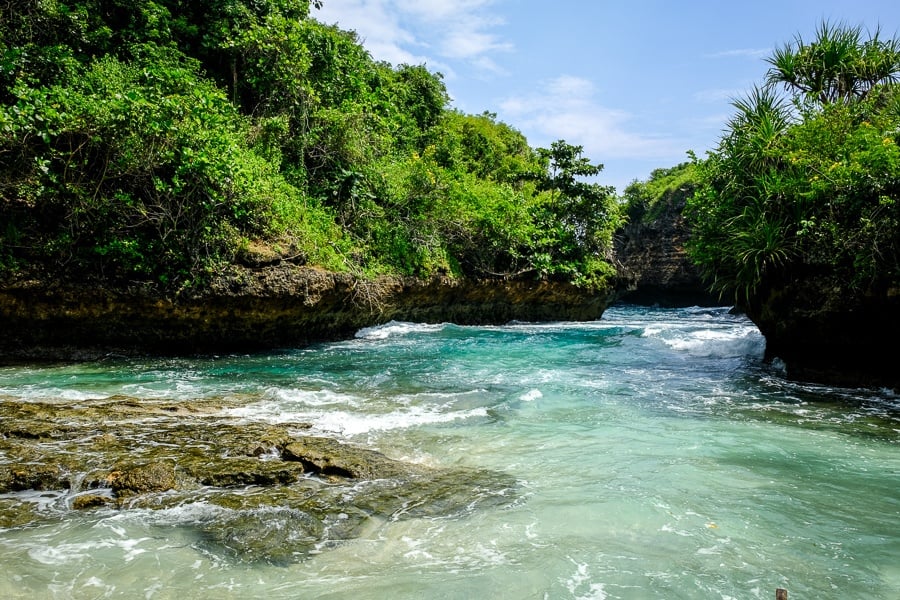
825 332
820 328
255 308
653 264
264 493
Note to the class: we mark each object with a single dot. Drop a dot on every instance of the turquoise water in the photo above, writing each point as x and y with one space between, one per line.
655 455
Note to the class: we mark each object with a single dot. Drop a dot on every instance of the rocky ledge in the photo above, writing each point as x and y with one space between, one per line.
823 331
819 327
255 308
262 492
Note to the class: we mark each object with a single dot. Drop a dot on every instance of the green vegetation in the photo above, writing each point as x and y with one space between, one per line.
806 183
645 201
153 140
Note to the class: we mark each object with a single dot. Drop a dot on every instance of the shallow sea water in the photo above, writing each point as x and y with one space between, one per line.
655 457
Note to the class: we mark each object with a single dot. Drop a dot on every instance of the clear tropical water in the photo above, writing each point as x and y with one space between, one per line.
655 457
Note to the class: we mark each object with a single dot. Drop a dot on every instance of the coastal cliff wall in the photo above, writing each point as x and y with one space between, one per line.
817 326
823 331
277 305
653 265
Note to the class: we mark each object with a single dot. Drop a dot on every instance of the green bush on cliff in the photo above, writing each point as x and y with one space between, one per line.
807 184
140 168
644 201
154 140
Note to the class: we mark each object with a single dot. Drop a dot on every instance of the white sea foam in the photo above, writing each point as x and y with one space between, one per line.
395 328
326 414
442 396
531 395
48 394
80 395
711 343
669 529
75 552
139 390
351 424
190 513
289 405
312 398
580 580
98 583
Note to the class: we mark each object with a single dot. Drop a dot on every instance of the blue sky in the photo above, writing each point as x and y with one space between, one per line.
638 83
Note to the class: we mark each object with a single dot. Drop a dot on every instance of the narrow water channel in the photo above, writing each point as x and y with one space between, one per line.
650 454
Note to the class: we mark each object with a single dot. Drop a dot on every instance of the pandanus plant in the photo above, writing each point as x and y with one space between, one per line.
798 167
837 65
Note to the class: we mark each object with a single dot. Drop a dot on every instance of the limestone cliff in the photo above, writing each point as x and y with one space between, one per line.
824 331
816 326
255 308
652 262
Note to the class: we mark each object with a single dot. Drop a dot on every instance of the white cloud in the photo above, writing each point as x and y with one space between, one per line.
718 95
377 25
742 52
441 10
566 109
488 66
468 44
436 32
573 89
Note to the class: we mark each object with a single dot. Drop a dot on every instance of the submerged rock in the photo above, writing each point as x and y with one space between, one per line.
273 534
436 493
266 493
16 513
324 456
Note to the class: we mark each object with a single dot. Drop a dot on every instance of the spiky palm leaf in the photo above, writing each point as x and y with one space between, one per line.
837 66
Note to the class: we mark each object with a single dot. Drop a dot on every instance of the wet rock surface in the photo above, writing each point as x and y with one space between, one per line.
264 492
824 331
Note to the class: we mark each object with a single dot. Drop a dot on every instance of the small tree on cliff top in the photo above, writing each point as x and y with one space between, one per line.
586 210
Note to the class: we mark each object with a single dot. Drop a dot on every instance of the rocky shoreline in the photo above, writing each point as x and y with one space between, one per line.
824 332
819 330
264 492
248 309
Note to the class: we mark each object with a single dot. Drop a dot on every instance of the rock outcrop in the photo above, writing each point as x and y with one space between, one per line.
653 265
258 492
824 331
276 305
819 328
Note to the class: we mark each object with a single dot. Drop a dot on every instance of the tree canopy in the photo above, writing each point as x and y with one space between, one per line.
805 180
644 201
158 140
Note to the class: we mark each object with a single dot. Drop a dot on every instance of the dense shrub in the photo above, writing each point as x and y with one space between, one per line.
807 183
155 139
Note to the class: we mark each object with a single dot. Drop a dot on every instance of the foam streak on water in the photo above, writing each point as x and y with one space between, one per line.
656 456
